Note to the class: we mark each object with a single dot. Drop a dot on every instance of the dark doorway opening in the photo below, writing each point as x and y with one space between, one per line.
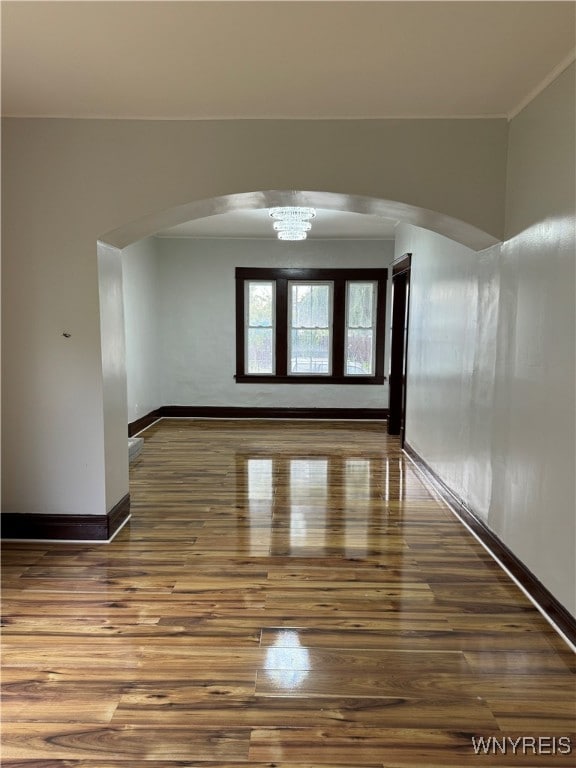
399 346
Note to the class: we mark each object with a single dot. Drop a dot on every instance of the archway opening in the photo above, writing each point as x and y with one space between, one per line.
443 224
111 247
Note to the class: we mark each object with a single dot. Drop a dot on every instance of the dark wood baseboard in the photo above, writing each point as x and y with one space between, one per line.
233 412
557 613
66 527
143 422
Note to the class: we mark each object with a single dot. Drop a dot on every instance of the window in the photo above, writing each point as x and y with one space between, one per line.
360 327
310 311
308 326
260 326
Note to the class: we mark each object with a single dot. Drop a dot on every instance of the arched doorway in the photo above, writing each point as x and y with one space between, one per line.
110 245
455 229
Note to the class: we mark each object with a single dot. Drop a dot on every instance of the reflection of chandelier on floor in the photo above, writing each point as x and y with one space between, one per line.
292 223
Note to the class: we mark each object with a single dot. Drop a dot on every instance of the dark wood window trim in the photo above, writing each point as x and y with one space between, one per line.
281 277
401 264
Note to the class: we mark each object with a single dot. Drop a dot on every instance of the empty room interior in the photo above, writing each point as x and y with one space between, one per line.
288 384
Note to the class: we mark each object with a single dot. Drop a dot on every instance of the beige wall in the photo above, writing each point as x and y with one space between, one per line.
67 183
112 172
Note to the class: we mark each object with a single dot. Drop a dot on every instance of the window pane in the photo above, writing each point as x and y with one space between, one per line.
359 352
310 351
260 304
301 302
360 305
310 305
320 306
360 330
260 350
260 327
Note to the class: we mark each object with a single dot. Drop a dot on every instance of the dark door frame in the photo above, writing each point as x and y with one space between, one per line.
399 344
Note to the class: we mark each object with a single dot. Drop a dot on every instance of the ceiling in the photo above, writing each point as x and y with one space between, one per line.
224 60
328 224
274 60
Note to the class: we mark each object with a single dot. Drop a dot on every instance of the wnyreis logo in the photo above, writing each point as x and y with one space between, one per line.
522 745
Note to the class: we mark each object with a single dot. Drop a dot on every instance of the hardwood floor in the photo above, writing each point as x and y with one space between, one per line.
286 594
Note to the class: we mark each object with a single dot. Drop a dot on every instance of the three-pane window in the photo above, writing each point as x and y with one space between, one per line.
310 325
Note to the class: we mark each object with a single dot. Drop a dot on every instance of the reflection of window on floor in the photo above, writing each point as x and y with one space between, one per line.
308 479
387 480
357 479
260 479
306 502
358 489
308 497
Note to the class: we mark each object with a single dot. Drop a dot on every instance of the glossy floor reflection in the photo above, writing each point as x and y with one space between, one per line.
287 594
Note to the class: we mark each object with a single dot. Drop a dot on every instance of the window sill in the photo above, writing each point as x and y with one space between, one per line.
245 379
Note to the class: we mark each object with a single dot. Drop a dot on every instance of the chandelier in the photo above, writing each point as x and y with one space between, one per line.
292 223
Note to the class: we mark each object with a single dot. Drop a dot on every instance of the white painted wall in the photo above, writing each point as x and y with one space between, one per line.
535 385
141 288
491 402
197 320
113 371
453 316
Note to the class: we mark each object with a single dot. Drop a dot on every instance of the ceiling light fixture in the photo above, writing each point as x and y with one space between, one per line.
292 234
282 226
292 212
292 222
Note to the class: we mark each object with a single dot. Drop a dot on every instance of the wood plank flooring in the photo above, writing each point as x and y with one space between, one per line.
286 594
